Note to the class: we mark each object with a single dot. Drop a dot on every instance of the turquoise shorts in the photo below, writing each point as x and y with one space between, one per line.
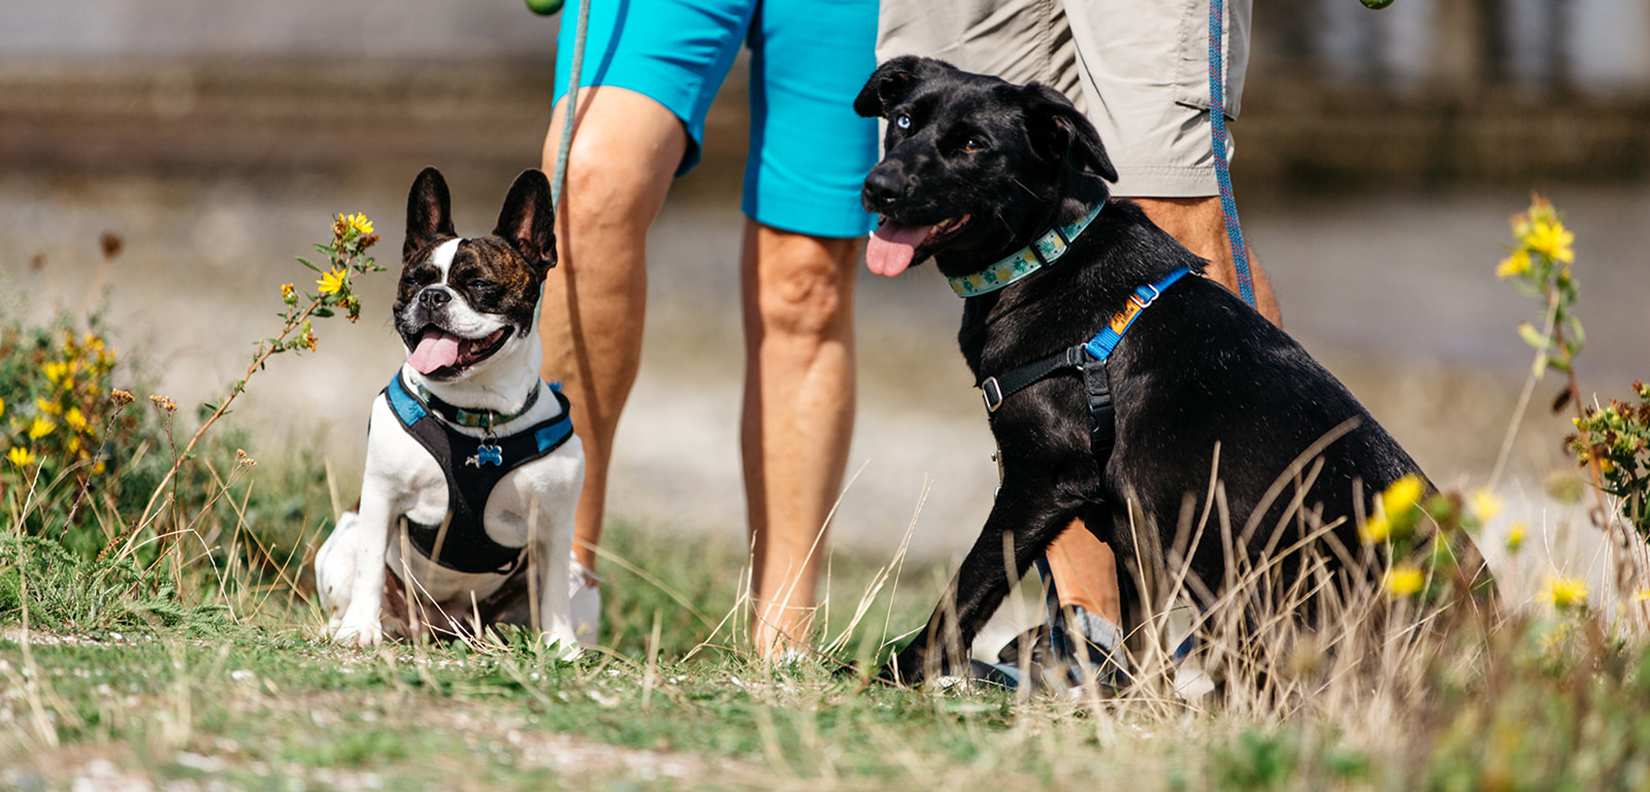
809 151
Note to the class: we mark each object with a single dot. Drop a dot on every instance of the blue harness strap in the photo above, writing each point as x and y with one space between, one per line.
473 466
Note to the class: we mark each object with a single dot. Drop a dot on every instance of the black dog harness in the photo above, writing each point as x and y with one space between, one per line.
1089 359
473 466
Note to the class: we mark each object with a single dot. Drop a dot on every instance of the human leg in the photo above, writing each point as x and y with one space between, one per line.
1085 571
625 149
809 156
652 67
798 414
1200 225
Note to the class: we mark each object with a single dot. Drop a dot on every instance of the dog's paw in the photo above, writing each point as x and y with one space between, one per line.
564 648
363 636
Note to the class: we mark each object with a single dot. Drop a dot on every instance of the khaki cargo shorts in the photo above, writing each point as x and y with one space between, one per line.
1138 69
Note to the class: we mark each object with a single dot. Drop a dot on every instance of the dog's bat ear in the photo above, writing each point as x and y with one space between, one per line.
892 81
429 212
527 222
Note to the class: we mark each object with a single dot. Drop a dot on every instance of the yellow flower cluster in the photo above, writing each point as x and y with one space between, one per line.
332 281
1564 593
1398 511
1403 580
1538 232
67 400
356 222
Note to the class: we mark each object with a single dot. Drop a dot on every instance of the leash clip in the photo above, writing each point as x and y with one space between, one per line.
992 393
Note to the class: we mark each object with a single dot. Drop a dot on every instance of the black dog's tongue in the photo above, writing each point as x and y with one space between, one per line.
891 248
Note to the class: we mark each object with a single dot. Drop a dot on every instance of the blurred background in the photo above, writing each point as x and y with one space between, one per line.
1379 156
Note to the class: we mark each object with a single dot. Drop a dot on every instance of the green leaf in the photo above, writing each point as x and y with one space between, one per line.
305 262
1558 363
1532 336
322 312
1576 333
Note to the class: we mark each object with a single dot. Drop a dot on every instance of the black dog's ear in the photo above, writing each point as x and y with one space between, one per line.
1060 133
1063 136
527 222
892 81
429 212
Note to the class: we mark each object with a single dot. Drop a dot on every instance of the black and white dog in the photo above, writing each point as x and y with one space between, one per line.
464 443
1005 187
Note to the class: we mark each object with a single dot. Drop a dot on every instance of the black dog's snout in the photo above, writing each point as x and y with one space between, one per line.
883 186
434 298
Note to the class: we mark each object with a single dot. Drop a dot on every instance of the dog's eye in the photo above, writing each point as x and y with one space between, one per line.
903 122
480 283
973 144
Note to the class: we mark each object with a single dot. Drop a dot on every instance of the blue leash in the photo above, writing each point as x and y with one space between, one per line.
1217 119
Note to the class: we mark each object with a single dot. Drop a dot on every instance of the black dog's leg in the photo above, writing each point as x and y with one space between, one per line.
1034 518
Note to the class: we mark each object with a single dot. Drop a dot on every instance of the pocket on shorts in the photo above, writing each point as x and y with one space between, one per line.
1191 77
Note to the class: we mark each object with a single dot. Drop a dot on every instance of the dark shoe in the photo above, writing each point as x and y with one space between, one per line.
1055 661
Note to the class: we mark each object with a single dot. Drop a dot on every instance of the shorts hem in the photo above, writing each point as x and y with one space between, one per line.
814 217
1165 182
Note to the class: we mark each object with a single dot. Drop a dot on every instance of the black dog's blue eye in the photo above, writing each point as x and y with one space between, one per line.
480 283
973 144
903 122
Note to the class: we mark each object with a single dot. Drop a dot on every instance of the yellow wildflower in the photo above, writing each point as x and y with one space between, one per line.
331 282
76 419
360 223
54 370
1565 593
1549 238
1515 537
1403 580
1376 529
2 406
20 456
1641 595
1402 495
1485 505
1514 265
47 407
40 428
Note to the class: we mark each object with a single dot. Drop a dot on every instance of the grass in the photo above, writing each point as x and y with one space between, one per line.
168 688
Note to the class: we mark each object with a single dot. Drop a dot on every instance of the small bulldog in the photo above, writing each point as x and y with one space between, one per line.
472 470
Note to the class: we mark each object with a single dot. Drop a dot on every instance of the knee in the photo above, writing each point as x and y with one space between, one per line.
806 290
604 186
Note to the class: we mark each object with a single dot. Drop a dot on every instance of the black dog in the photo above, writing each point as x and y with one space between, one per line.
978 169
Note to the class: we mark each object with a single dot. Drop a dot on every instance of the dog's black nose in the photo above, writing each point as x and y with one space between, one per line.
883 186
434 298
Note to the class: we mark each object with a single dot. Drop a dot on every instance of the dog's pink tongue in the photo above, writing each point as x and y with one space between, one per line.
435 349
892 247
